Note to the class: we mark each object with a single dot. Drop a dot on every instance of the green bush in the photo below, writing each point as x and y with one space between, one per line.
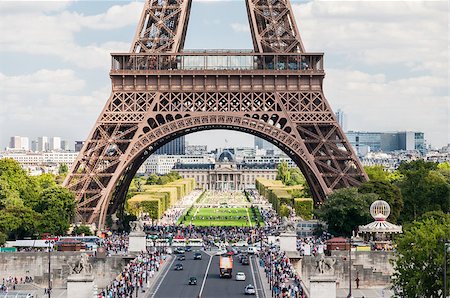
284 211
304 207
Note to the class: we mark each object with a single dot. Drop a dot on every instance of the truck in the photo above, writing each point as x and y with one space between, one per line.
226 266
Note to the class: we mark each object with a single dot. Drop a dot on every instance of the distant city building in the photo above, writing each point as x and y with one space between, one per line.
263 144
163 164
64 145
269 159
37 163
78 145
34 145
365 142
19 143
226 173
196 150
341 119
54 143
42 144
174 147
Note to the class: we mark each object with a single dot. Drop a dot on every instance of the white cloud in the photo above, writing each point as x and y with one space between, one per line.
238 27
389 65
379 33
41 82
48 102
54 34
375 104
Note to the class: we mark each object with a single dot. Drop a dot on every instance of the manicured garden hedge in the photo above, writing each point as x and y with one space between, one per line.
281 196
155 199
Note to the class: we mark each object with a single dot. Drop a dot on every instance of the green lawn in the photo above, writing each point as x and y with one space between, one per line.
237 217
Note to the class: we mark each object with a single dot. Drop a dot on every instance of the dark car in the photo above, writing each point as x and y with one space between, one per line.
192 281
181 258
178 267
197 256
245 261
188 248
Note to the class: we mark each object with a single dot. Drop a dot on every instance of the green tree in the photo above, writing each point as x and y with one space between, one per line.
18 179
82 230
2 238
19 222
8 197
423 189
346 209
283 173
163 180
377 173
57 206
63 169
173 176
387 192
152 179
45 181
420 256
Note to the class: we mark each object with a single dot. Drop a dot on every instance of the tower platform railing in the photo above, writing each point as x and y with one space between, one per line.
217 61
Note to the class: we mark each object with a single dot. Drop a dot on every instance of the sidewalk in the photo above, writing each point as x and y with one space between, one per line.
153 282
264 280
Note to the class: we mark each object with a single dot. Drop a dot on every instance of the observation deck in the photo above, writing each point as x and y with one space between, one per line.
217 61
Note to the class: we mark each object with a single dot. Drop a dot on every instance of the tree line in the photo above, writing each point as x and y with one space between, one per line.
31 206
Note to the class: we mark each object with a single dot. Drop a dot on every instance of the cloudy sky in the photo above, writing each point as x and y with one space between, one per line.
386 61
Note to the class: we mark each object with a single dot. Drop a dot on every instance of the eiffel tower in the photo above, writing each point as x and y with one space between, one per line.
161 91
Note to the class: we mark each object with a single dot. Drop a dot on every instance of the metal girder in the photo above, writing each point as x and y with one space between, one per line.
162 27
273 27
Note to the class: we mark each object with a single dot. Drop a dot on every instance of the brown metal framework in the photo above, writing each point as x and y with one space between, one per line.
160 92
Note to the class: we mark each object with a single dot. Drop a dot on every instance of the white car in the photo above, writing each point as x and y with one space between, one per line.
249 290
240 276
252 250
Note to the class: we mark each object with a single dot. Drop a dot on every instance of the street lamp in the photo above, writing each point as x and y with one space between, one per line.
50 243
350 269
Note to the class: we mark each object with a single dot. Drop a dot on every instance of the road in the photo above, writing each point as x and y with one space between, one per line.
175 283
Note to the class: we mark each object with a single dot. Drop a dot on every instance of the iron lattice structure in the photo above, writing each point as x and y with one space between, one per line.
160 92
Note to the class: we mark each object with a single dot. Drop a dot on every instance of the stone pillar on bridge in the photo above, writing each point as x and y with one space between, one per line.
322 286
288 242
80 282
137 241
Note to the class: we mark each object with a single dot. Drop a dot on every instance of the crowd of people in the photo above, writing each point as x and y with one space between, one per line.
173 214
134 277
10 282
116 243
283 280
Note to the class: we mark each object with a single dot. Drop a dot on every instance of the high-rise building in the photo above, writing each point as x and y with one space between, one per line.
64 145
263 144
54 143
19 143
174 147
78 145
24 143
364 142
34 145
15 142
341 119
42 144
